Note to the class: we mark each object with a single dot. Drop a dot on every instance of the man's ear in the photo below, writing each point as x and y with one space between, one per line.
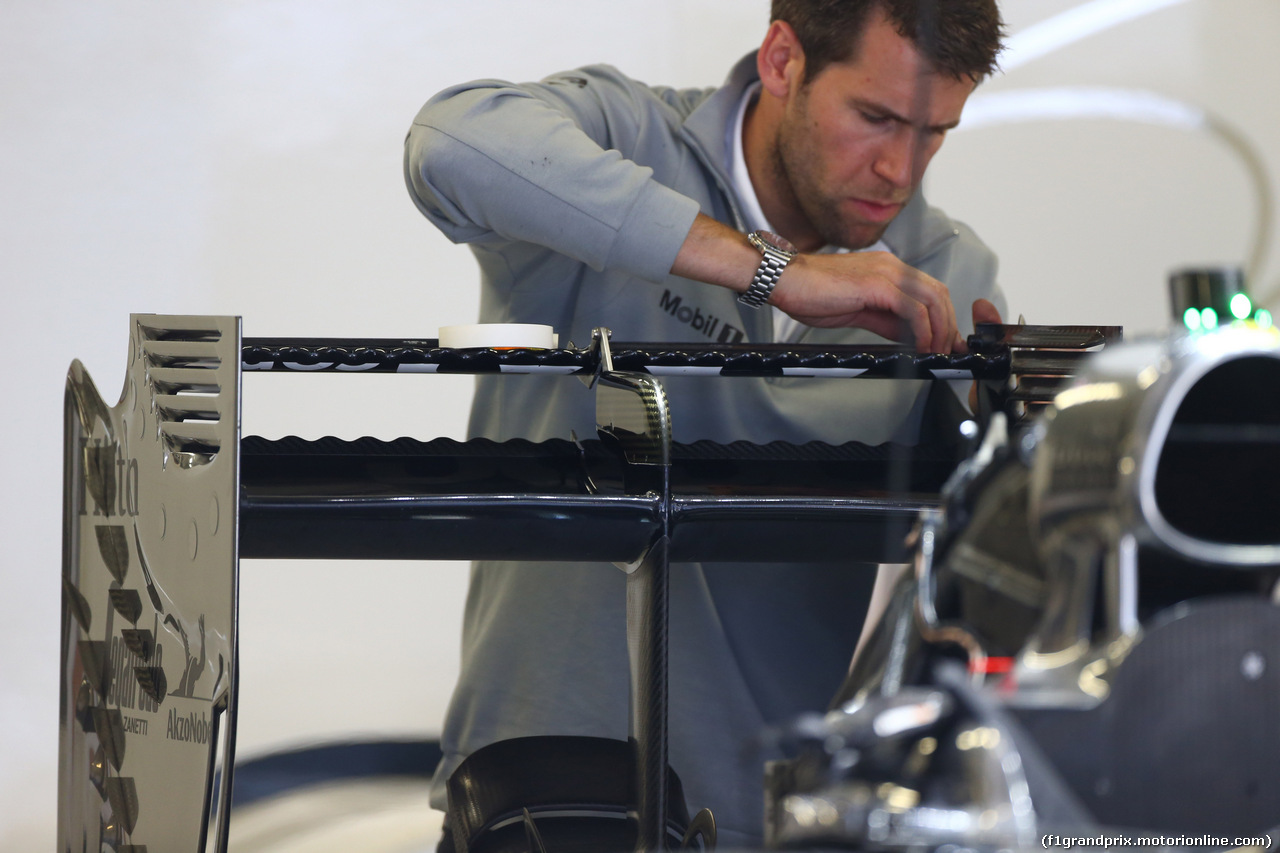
780 60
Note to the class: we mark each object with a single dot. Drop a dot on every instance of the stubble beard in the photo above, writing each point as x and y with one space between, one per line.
791 163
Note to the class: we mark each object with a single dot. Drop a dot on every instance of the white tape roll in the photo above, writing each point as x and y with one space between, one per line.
498 335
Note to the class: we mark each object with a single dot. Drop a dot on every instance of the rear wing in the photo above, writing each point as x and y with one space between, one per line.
162 496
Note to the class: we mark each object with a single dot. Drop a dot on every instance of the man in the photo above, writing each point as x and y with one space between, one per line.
591 199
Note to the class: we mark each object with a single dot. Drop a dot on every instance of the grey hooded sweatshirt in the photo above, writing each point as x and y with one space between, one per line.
575 194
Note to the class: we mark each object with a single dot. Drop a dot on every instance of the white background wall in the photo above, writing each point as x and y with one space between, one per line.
245 158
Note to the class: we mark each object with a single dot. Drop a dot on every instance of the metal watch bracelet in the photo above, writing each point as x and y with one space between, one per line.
773 261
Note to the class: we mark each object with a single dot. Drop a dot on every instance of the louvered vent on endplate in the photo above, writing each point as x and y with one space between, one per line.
183 377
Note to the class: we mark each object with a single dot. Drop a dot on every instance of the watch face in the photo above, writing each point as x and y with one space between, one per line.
782 244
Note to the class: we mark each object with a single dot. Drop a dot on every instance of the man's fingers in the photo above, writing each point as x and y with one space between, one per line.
871 290
933 295
883 323
920 302
915 320
984 311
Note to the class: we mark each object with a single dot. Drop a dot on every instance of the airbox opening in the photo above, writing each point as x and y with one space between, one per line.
1218 477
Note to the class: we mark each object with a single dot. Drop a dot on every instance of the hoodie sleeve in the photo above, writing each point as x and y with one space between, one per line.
550 164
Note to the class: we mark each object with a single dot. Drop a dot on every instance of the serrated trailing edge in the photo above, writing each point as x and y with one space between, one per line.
656 359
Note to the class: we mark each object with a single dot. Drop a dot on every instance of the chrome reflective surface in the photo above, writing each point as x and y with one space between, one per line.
1109 575
149 571
1163 453
1186 428
1105 436
925 768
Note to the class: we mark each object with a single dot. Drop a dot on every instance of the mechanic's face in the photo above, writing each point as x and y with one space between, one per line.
854 141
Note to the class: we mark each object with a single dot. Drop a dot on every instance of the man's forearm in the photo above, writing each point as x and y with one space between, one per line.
716 254
868 290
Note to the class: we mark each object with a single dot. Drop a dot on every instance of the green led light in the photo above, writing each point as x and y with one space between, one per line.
1241 307
1263 318
1191 319
1209 318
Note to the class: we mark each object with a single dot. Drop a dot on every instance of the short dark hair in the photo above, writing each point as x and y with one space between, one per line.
961 38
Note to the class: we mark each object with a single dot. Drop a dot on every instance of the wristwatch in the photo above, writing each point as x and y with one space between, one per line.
777 252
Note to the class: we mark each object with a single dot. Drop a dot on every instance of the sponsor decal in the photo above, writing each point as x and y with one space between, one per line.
709 325
110 480
124 691
188 727
135 726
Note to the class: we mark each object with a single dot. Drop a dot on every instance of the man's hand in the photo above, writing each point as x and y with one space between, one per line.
873 291
866 290
983 312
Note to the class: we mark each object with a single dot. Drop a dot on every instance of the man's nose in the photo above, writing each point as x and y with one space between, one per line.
895 161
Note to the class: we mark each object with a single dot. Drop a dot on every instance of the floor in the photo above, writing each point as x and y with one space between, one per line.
372 815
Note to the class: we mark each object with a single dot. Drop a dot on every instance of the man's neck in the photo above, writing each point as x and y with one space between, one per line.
777 200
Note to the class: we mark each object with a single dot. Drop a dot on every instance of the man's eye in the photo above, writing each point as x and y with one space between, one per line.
874 118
